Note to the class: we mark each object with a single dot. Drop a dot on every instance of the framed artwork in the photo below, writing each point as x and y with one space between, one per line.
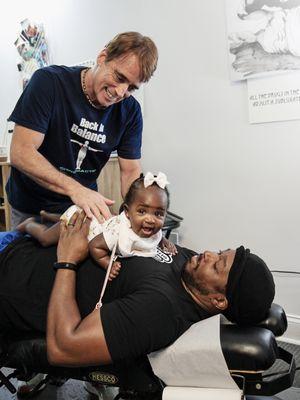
263 37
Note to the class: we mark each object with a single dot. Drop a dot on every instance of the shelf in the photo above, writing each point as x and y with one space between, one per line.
4 205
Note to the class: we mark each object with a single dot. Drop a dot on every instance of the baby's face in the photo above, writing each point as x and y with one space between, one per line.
147 213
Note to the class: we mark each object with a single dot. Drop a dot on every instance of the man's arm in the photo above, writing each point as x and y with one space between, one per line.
129 170
71 340
25 157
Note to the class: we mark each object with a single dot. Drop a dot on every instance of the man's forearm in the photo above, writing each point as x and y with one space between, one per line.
39 169
63 314
72 341
45 174
24 156
127 178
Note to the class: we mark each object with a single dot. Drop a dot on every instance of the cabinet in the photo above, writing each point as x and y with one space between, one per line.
109 184
4 205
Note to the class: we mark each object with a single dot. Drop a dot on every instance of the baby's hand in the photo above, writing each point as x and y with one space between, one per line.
168 246
115 269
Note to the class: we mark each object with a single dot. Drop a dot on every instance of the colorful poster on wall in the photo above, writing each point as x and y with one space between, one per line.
32 48
263 37
274 98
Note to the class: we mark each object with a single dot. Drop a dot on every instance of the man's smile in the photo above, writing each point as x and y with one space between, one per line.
109 94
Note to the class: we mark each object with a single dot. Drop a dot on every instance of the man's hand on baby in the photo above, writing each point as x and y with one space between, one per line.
73 244
115 269
168 246
92 202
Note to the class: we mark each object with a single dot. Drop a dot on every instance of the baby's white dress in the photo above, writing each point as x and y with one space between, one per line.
118 230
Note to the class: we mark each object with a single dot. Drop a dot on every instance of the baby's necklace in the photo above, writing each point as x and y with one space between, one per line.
84 88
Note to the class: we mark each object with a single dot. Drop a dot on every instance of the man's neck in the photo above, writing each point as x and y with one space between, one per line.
86 83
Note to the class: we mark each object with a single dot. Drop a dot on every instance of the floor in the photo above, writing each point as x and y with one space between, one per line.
295 350
70 390
292 393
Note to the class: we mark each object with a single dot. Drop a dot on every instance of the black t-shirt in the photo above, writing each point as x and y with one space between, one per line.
144 309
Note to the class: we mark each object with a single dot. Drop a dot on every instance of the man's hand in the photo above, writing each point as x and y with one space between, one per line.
73 244
92 202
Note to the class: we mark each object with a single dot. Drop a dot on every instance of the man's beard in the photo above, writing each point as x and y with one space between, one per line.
190 282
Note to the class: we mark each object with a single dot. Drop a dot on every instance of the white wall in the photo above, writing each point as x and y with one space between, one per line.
231 181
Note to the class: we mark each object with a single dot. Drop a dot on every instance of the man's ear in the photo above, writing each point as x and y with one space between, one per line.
101 57
219 301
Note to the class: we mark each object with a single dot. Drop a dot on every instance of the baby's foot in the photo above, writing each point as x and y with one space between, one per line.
22 226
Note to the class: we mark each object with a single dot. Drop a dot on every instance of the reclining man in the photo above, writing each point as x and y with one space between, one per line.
149 305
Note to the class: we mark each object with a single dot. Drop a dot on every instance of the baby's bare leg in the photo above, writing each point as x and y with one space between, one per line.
51 217
45 235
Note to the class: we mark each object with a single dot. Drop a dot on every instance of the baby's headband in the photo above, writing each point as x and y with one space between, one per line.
160 179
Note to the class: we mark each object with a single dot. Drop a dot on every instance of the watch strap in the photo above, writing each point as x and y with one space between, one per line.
65 265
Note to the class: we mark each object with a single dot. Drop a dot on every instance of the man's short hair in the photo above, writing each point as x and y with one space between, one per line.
250 288
134 43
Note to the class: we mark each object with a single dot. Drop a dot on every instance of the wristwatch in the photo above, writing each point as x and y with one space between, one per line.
65 265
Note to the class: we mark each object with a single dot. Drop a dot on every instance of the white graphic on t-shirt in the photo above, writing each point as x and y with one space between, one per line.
88 130
163 257
84 147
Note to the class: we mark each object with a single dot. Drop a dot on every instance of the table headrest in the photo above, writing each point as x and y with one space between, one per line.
275 321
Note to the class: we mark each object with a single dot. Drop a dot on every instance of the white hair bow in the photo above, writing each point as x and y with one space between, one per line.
160 179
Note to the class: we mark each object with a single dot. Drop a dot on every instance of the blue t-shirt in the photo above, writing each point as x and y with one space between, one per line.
78 137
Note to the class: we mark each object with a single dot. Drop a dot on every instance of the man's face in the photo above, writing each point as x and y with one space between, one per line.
115 80
208 271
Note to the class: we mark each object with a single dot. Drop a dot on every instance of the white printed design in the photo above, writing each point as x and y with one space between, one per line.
163 257
89 130
84 147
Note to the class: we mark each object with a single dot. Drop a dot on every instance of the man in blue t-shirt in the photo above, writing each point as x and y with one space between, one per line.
68 120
